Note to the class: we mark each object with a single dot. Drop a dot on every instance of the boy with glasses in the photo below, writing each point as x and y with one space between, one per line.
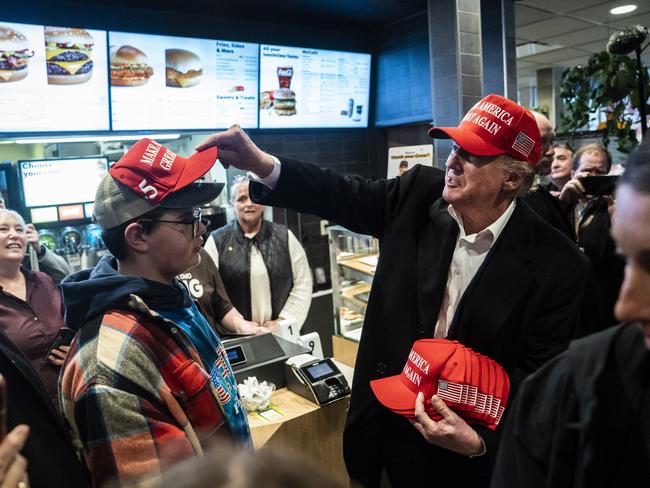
147 381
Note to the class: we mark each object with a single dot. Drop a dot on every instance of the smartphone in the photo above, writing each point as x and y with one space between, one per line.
3 408
63 338
599 185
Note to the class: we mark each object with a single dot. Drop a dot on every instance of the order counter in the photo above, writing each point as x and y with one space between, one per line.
314 431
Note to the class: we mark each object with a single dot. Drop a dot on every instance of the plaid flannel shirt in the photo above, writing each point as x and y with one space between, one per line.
136 396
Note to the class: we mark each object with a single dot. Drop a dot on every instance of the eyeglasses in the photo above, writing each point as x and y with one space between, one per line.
195 222
460 151
467 156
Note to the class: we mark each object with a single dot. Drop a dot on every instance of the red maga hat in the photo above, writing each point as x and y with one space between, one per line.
420 374
153 171
496 125
472 385
148 176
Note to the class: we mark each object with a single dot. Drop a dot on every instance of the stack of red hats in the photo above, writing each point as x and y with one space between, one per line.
472 385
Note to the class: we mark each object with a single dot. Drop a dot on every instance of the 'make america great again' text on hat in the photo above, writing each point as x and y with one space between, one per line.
496 125
148 176
472 385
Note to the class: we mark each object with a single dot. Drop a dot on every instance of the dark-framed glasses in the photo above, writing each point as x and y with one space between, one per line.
195 221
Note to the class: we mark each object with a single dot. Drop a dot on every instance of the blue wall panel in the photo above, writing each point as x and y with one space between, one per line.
403 93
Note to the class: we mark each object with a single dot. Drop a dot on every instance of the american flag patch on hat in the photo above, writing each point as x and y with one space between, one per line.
523 144
451 392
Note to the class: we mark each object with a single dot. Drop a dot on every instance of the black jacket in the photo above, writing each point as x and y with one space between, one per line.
551 210
583 420
52 461
520 309
594 237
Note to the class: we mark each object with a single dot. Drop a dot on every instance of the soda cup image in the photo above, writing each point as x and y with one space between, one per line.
285 73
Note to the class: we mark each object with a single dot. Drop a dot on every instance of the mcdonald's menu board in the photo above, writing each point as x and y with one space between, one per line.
52 79
49 196
162 82
302 87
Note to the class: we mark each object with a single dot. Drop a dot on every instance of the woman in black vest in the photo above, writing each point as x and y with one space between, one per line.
261 263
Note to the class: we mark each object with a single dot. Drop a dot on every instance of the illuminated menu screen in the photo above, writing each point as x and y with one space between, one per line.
162 82
50 194
313 88
52 79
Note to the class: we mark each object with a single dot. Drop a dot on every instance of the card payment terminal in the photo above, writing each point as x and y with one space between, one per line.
317 380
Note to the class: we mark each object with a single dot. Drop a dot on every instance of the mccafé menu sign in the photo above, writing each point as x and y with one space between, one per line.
302 87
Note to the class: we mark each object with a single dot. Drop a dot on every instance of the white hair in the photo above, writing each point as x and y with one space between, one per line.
234 187
6 213
520 168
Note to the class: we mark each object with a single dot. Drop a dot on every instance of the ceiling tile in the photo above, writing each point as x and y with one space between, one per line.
641 18
561 6
525 15
550 27
551 57
600 13
594 47
573 61
580 36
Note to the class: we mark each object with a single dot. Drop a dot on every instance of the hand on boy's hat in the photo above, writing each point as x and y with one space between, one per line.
153 171
451 432
150 175
238 150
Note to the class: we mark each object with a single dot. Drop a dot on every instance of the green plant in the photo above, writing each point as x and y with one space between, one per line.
607 82
542 109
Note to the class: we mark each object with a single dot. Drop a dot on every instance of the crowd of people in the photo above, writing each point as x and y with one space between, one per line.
504 250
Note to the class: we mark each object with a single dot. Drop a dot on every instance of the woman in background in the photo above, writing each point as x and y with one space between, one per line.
30 304
261 263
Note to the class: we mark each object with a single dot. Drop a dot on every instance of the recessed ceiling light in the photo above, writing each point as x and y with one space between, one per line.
623 9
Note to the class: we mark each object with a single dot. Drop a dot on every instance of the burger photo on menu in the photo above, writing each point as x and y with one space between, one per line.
129 66
284 101
68 54
183 69
14 55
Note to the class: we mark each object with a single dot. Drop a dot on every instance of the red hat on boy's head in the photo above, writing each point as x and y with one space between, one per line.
151 165
148 176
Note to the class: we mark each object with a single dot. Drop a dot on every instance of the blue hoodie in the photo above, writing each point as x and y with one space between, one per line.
88 294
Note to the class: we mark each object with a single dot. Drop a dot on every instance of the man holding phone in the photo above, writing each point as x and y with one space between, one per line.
589 160
590 204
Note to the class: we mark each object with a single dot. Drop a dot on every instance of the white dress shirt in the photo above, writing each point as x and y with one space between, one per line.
469 254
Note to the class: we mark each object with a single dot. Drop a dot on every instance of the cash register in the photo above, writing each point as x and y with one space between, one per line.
262 356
